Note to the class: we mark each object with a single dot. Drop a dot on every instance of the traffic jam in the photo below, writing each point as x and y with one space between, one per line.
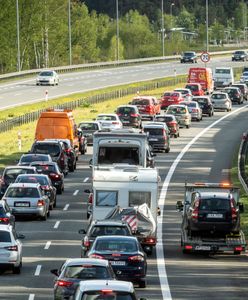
122 204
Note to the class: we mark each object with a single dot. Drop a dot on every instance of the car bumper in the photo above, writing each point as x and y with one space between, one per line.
159 146
195 116
131 274
12 260
214 226
221 106
37 211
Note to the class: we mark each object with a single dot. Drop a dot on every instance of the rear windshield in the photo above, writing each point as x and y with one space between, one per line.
164 119
13 173
222 71
241 87
30 158
231 91
192 87
5 237
101 295
116 245
106 118
183 92
218 96
52 149
31 179
141 102
125 110
86 272
45 169
108 230
201 100
176 110
20 192
110 155
214 204
88 126
154 131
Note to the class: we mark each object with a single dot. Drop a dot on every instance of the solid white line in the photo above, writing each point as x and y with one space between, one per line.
31 297
66 207
75 193
48 244
86 179
56 225
37 271
165 289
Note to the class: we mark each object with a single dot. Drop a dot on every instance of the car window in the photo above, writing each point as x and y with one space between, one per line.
125 110
141 102
106 198
119 245
45 169
111 295
32 179
52 149
13 173
108 230
88 126
201 100
21 192
215 204
177 110
5 237
138 198
154 131
86 272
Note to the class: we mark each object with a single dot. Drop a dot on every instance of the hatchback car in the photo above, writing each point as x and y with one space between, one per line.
54 173
186 93
6 217
109 121
26 159
125 255
45 183
194 110
189 56
205 104
148 106
196 89
234 94
169 98
240 55
129 115
88 128
47 78
101 228
10 248
158 136
181 113
171 122
221 101
73 271
244 78
243 88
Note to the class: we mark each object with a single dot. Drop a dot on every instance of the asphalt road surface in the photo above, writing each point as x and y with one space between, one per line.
207 158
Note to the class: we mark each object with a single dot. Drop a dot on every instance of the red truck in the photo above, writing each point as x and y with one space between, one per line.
203 76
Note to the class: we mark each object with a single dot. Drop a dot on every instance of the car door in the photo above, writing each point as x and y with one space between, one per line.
9 214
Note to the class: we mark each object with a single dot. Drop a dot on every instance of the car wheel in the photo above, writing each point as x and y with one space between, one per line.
142 283
236 252
187 126
48 213
17 270
175 136
198 120
51 206
55 202
59 190
44 218
71 168
210 114
167 150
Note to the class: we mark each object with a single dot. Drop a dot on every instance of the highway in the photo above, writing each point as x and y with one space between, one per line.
202 153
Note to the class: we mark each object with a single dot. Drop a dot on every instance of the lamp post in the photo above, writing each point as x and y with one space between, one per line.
162 23
18 37
117 31
172 4
207 25
69 29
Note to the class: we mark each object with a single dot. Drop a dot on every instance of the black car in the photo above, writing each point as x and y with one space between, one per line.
129 115
189 56
55 149
218 213
6 217
240 55
88 128
54 173
45 183
27 159
234 94
125 254
243 88
10 173
158 136
75 270
205 104
171 122
102 228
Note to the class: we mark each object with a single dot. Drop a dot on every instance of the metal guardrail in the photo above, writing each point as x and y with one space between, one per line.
242 158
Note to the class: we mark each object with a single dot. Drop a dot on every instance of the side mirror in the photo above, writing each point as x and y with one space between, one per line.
20 236
90 163
87 191
82 231
158 211
55 272
241 207
179 206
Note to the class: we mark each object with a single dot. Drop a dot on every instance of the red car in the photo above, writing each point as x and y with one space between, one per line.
169 98
148 106
196 89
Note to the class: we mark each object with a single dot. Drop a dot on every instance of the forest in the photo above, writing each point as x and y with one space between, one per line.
47 33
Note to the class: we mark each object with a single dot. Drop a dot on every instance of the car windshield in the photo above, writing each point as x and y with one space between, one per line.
218 96
214 204
21 192
154 131
176 110
108 230
46 73
86 272
141 102
32 179
45 169
239 52
125 110
222 71
201 100
5 237
88 126
30 158
52 149
106 118
106 295
116 245
231 91
192 87
189 54
13 173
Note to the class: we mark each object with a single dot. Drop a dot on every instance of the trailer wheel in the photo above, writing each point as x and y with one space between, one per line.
185 251
236 252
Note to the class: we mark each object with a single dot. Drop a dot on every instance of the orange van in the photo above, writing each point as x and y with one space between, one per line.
203 76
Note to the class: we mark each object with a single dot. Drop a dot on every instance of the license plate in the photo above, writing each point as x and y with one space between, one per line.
125 122
203 248
22 204
118 263
215 216
170 99
153 140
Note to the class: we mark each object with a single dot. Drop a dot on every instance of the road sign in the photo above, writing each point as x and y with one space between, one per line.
205 57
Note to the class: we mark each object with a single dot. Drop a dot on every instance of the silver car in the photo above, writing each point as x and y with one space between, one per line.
10 248
221 101
194 110
27 199
48 77
181 113
88 128
109 121
186 93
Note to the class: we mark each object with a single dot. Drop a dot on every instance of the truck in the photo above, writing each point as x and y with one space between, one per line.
223 77
214 240
203 76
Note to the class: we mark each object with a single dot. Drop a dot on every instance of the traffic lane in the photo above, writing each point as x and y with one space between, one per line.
199 276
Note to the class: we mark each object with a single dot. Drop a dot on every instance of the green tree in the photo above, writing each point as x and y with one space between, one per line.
186 20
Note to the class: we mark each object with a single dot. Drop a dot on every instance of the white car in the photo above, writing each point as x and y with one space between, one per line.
10 248
48 77
221 101
109 121
186 93
244 77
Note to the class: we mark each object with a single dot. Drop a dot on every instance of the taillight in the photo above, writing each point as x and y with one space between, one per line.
172 123
194 110
238 248
136 258
150 240
90 199
4 220
41 202
86 242
149 108
164 135
195 212
11 248
54 175
233 210
96 256
188 247
64 283
115 123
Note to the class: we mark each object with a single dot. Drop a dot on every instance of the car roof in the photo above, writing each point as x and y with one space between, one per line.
46 163
207 195
166 115
25 185
214 93
34 154
87 261
154 125
109 222
8 228
32 175
129 105
200 97
144 97
115 115
90 122
181 89
19 167
115 285
177 105
117 237
49 141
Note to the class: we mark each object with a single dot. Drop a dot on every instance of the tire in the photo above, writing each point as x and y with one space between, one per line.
167 150
175 136
59 190
142 284
44 218
17 270
187 126
71 168
51 206
55 202
210 114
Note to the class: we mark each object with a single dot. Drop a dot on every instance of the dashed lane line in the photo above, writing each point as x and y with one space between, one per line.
75 193
86 179
56 225
37 271
66 207
48 244
31 297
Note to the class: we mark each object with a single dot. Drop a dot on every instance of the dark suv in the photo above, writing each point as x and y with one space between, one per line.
189 56
243 88
235 94
205 104
129 115
213 213
56 150
240 55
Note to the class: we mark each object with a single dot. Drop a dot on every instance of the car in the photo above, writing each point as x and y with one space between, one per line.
75 270
244 78
82 142
243 88
6 216
10 173
188 56
186 93
221 101
54 173
234 94
182 114
109 121
27 199
205 104
158 136
45 183
196 89
88 128
171 122
26 159
11 248
101 228
223 77
240 55
148 106
106 290
48 77
169 98
194 109
218 213
129 115
125 254
55 149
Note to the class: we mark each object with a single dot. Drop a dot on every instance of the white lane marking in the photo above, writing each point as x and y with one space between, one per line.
56 225
86 179
31 297
48 244
66 207
75 193
165 289
37 271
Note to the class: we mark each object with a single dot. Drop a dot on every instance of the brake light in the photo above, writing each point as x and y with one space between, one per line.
64 283
149 108
86 242
150 240
90 199
134 115
62 157
41 202
194 110
188 247
136 258
233 210
106 291
116 254
172 123
115 123
96 256
195 212
11 248
4 220
54 175
238 248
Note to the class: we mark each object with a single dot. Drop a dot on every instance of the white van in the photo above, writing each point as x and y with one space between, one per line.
223 77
